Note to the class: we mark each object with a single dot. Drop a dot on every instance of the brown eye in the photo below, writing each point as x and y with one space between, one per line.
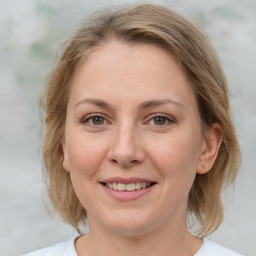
159 120
94 120
98 120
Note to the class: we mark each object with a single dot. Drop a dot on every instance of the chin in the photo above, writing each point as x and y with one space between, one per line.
130 225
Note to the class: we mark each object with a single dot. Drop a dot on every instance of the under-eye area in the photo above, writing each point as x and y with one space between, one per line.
128 187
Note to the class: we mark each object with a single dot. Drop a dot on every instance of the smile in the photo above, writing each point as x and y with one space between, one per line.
128 187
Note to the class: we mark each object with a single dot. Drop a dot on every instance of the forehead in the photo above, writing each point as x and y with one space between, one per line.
118 56
127 68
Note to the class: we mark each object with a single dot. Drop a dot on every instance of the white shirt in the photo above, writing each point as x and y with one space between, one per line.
68 249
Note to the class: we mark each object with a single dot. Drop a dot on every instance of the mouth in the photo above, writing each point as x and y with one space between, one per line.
129 187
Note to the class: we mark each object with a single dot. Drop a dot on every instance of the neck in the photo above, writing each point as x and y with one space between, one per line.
169 240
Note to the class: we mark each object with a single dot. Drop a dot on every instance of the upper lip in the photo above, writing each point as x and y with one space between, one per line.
126 180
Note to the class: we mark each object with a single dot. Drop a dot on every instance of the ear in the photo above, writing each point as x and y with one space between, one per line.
210 148
65 156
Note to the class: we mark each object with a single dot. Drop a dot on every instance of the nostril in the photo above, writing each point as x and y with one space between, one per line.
124 162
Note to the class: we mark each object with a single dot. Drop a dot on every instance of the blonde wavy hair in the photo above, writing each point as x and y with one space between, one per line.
186 42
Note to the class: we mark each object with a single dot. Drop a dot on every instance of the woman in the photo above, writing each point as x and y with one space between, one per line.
138 136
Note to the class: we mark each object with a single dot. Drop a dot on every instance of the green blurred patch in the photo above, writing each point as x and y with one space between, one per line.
43 7
227 12
40 49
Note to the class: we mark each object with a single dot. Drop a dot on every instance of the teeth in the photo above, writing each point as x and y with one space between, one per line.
114 185
127 187
138 185
130 187
121 187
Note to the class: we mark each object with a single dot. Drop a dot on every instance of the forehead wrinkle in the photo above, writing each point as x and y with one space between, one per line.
153 103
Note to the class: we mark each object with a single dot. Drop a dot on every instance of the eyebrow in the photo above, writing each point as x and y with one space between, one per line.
153 103
97 102
144 105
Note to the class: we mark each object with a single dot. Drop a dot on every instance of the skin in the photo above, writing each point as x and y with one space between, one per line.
129 141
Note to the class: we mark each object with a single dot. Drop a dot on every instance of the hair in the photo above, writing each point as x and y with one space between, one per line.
144 23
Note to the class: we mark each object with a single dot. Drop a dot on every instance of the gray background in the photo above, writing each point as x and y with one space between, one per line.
30 31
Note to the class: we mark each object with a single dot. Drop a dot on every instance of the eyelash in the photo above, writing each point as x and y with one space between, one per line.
168 119
87 119
90 117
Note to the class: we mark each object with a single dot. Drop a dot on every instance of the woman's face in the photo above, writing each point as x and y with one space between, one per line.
133 140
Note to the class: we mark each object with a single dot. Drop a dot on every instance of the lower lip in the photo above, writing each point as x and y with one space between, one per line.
127 195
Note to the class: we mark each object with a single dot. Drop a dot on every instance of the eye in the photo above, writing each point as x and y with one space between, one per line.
161 120
94 120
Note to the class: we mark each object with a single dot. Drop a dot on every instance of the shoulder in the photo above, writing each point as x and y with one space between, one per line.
210 248
61 249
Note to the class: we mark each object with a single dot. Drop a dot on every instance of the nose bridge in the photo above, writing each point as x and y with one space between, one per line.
126 147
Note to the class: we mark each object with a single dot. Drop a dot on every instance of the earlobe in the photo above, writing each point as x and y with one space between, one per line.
210 149
65 156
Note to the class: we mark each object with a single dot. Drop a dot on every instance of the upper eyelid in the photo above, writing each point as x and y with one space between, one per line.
94 115
162 115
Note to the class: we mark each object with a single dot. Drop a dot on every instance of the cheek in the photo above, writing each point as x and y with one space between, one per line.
84 159
176 158
84 155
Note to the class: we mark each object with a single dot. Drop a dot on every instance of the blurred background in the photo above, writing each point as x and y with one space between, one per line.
30 32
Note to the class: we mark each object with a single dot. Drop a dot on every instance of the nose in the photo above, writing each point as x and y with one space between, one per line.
126 147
